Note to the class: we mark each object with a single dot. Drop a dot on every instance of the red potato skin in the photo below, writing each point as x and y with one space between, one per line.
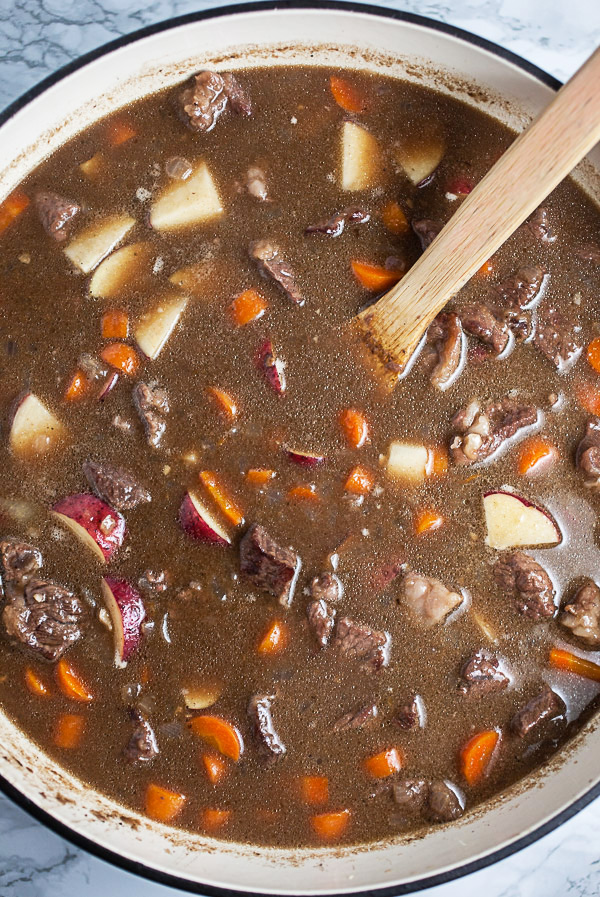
132 613
195 526
304 459
272 367
89 512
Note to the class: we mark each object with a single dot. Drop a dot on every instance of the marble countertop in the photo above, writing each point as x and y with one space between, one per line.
37 37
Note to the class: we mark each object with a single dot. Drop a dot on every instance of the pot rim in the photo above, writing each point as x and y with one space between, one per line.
134 866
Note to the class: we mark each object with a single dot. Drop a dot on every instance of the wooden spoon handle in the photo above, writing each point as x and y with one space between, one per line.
524 175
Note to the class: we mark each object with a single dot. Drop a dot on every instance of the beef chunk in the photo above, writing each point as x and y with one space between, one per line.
446 336
582 614
142 746
480 321
428 599
151 403
587 457
426 230
409 716
520 290
334 226
355 641
270 567
271 264
206 98
356 718
56 213
20 561
480 432
47 618
518 573
326 587
256 183
269 743
385 575
320 620
482 676
539 226
545 706
115 485
443 803
410 795
556 338
589 252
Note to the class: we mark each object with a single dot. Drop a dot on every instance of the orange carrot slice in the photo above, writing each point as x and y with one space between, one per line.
476 755
330 826
275 639
224 400
225 502
12 207
536 455
438 461
120 131
385 763
588 397
115 324
347 95
427 520
354 427
248 306
68 730
122 357
314 790
303 493
213 819
360 481
486 270
259 476
593 354
162 804
214 767
35 683
573 663
77 387
219 734
394 218
374 277
71 684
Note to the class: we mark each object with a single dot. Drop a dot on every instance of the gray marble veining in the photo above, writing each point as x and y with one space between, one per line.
36 38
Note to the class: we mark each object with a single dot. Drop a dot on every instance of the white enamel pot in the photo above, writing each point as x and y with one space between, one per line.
259 34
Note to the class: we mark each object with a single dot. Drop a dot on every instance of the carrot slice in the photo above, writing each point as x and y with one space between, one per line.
588 397
427 520
259 476
394 218
486 270
219 734
375 277
347 95
304 493
248 306
476 755
275 639
224 400
68 730
354 427
593 354
573 663
214 767
535 455
162 804
120 131
314 790
225 502
115 324
330 826
36 684
121 356
212 819
12 207
71 684
385 763
360 481
438 461
77 387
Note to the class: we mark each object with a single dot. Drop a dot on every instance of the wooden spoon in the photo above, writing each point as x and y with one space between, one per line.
528 171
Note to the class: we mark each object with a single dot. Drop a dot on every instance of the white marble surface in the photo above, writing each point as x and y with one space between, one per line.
38 36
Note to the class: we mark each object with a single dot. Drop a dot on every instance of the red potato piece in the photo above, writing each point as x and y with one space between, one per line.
513 521
360 158
33 430
94 522
408 462
94 243
304 459
419 157
156 326
272 367
197 521
186 203
120 273
127 612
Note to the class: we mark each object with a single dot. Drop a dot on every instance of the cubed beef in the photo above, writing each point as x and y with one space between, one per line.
410 715
428 599
518 573
115 485
520 290
272 264
151 403
443 802
334 226
20 561
387 573
206 97
480 321
56 213
481 431
556 338
446 336
321 618
239 100
410 795
539 226
256 183
269 566
426 230
326 587
481 675
142 746
369 647
588 454
45 617
268 741
545 706
582 614
356 718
